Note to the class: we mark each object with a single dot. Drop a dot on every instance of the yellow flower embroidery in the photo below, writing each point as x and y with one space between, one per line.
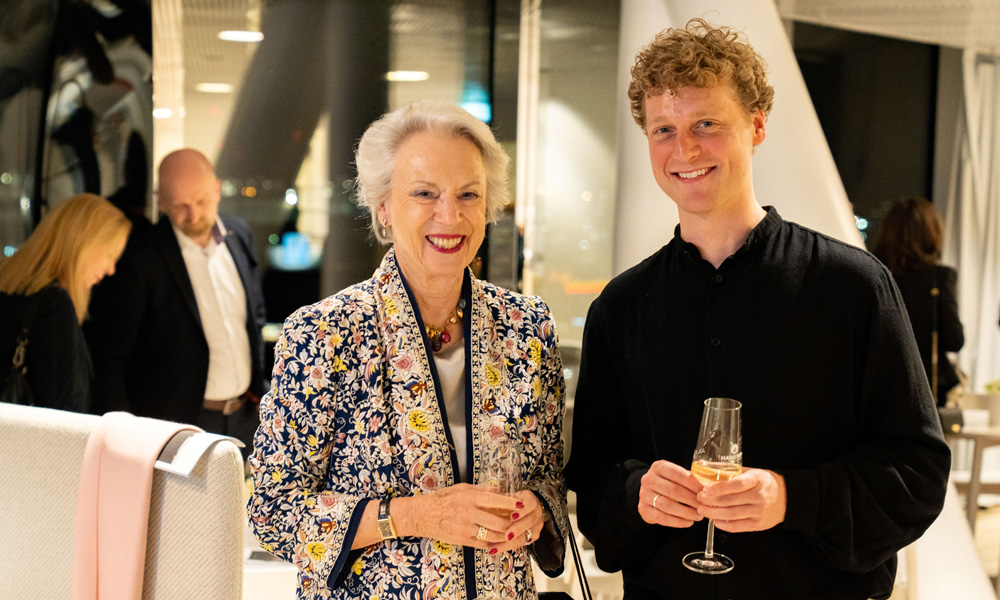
390 307
535 351
277 475
418 420
338 365
492 376
316 550
536 387
441 547
312 440
359 566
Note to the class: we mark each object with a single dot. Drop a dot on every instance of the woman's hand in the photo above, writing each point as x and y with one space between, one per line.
525 525
466 515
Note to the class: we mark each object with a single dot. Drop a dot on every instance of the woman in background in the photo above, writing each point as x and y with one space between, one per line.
73 248
909 243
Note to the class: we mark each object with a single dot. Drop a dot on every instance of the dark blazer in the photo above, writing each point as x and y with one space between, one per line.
146 338
916 290
59 370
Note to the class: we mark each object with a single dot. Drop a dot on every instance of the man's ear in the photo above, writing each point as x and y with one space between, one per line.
759 123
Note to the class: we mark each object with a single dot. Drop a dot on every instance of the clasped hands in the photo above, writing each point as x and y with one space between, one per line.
468 515
755 500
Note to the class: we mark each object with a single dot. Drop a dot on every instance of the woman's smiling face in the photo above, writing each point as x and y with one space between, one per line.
437 206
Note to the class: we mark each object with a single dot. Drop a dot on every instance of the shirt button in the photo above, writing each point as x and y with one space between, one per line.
716 341
718 279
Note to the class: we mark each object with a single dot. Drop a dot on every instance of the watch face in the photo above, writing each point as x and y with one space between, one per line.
385 529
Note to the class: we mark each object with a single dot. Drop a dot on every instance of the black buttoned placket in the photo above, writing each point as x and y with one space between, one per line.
715 333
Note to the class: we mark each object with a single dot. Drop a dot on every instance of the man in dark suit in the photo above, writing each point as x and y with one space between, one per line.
175 334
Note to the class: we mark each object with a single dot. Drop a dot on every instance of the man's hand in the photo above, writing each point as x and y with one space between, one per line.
755 500
667 496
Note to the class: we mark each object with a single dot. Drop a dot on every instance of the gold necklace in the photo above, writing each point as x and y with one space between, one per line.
439 335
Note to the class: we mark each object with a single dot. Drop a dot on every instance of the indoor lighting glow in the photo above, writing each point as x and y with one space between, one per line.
214 88
241 36
407 76
162 113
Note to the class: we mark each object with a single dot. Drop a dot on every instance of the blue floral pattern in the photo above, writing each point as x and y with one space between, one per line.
353 414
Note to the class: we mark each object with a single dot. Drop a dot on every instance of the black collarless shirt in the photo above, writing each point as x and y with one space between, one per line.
811 335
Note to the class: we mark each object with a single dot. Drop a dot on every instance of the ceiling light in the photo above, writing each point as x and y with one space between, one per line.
407 76
214 88
241 36
162 113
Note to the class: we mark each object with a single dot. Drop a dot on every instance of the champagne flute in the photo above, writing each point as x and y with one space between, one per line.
501 475
718 457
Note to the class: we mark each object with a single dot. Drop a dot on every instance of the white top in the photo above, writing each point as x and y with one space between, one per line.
451 373
222 305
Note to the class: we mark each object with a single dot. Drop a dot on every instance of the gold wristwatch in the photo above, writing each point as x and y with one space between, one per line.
385 528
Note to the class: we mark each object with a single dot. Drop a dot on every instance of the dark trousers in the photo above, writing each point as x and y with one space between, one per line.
241 425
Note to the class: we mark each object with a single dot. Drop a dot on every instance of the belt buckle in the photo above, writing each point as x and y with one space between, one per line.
232 405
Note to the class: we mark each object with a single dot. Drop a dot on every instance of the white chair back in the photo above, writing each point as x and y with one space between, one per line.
194 547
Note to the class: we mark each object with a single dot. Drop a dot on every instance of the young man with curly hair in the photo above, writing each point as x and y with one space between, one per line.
845 459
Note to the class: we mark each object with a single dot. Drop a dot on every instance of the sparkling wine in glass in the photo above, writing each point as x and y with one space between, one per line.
501 475
718 457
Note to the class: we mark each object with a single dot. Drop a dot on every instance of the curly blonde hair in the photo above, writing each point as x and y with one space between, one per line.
700 55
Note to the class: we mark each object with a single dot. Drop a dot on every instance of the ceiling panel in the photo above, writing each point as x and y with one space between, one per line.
957 23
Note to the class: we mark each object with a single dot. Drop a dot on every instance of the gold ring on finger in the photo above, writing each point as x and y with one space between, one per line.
654 500
527 536
482 533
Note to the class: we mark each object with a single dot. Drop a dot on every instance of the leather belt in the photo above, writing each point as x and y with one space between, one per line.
226 407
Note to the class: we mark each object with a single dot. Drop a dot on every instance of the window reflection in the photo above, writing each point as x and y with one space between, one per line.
283 138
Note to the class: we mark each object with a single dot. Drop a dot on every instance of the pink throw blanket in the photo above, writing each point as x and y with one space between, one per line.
112 505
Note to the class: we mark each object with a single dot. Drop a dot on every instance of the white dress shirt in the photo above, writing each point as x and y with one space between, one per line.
222 306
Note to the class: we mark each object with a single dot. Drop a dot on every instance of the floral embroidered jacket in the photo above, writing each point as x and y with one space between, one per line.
354 415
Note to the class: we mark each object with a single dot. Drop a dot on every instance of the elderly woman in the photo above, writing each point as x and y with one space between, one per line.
386 400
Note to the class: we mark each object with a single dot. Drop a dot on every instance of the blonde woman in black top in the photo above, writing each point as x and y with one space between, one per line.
73 248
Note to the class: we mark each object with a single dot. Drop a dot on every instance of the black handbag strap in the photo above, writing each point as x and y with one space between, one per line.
584 586
18 362
935 293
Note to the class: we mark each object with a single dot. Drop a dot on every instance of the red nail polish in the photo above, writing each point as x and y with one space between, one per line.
492 551
520 504
510 536
514 516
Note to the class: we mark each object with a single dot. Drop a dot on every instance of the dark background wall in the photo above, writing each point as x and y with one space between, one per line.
875 98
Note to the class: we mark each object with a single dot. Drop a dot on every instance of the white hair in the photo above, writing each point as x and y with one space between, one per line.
375 158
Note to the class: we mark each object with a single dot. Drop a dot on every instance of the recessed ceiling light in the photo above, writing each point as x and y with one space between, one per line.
241 36
162 113
214 88
407 76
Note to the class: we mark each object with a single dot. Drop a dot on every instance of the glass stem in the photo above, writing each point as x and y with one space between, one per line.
496 576
710 541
